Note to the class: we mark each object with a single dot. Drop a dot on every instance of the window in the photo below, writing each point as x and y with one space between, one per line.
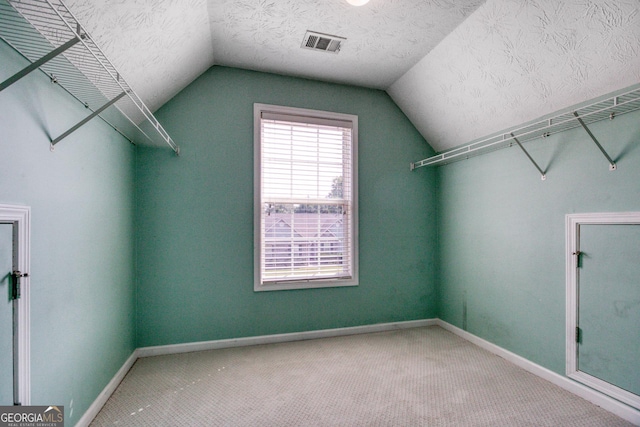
305 198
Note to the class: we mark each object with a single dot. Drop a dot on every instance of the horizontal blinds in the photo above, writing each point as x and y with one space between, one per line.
295 118
306 198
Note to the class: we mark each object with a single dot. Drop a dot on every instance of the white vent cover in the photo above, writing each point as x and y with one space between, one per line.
323 42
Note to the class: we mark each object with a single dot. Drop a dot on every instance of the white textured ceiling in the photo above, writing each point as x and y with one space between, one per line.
459 70
513 61
384 38
158 46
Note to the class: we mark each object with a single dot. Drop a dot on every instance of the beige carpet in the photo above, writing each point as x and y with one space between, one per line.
414 377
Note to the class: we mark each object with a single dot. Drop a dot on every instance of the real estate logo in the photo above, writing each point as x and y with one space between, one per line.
32 416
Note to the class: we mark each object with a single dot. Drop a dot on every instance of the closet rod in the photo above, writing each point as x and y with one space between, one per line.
606 108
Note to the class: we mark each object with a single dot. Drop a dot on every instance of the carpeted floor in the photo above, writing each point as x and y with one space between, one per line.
413 377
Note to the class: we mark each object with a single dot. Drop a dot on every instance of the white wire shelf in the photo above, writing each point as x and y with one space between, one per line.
605 109
35 28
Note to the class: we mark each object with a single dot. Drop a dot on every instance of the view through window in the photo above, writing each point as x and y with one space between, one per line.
305 209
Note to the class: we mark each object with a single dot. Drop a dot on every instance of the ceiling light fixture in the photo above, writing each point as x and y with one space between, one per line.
357 2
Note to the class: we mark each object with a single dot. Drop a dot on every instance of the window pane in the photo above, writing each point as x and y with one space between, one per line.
306 218
305 241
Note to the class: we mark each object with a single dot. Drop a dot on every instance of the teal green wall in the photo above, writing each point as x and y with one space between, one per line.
502 232
136 247
195 217
82 248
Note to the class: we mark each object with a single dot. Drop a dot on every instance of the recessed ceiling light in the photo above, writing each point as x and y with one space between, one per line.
357 2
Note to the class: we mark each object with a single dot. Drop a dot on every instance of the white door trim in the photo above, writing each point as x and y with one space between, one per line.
20 217
573 222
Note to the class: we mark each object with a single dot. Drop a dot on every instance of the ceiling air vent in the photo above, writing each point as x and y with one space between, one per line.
323 42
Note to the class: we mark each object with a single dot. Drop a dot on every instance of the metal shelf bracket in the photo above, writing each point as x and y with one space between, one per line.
37 64
543 176
86 119
51 39
612 164
603 109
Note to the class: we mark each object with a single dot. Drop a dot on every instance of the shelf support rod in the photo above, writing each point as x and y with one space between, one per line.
35 65
612 164
543 176
86 119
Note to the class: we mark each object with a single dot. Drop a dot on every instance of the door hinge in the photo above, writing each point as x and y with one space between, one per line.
578 335
16 276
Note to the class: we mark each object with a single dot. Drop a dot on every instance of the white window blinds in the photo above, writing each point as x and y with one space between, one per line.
306 198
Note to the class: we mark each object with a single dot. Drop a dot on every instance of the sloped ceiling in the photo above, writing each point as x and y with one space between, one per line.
158 46
459 70
513 61
384 38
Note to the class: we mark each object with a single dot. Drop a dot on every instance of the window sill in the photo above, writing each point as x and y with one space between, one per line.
313 284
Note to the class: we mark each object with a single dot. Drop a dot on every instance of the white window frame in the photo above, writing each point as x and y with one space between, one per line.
315 116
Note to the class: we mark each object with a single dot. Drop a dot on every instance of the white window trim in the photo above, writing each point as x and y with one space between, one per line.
315 116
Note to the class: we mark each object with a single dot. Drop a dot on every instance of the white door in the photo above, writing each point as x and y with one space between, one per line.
6 314
15 372
609 304
603 303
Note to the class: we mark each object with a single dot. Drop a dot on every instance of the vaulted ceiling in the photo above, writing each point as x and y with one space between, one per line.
459 70
514 61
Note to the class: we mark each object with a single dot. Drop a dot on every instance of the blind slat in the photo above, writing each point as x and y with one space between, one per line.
306 198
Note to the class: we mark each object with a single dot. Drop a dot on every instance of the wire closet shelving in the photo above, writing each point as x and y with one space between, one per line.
582 116
49 36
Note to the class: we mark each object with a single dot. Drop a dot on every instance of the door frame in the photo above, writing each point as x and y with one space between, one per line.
573 222
20 218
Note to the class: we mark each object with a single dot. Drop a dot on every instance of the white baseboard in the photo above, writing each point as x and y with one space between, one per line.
618 408
102 398
278 338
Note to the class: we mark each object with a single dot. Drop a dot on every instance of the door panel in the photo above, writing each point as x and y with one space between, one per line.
6 315
609 304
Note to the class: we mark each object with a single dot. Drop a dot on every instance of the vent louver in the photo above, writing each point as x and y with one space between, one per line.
322 42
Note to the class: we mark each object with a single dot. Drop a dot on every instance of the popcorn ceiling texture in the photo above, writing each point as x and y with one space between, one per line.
460 70
159 46
513 61
384 38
